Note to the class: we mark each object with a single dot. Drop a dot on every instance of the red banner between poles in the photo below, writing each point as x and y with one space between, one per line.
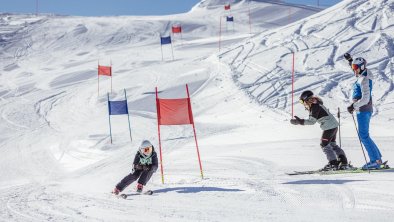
103 71
176 29
175 112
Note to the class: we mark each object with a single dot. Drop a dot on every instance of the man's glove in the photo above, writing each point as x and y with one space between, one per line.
348 57
145 168
138 167
350 109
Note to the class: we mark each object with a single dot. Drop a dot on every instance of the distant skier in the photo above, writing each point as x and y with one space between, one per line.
336 157
362 103
144 165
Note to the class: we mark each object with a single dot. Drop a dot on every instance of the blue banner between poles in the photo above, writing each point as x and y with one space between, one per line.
165 40
230 18
117 107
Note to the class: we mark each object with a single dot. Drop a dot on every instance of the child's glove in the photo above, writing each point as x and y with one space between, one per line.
145 168
138 167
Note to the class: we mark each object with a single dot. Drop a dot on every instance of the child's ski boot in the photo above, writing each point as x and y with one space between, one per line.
139 188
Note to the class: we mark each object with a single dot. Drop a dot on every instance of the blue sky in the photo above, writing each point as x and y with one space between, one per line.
114 7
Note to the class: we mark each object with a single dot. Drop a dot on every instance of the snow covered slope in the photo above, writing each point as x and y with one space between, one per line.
56 160
362 28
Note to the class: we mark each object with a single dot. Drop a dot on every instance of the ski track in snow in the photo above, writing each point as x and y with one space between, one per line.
364 33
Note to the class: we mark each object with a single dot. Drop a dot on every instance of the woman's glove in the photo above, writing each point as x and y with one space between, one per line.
297 121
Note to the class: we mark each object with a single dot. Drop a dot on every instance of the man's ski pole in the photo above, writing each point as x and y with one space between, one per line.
359 138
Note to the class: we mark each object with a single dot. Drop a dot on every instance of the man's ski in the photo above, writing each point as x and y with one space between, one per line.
148 192
384 168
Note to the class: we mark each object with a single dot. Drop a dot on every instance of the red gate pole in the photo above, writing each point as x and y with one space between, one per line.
194 131
292 88
250 23
98 79
220 31
158 130
111 75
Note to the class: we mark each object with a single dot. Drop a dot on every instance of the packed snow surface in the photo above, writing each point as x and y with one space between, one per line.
56 159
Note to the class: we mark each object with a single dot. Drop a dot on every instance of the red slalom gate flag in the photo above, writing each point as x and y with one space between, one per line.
104 70
176 29
174 111
227 7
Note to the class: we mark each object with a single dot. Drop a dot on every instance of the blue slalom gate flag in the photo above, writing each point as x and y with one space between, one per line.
118 107
230 18
165 40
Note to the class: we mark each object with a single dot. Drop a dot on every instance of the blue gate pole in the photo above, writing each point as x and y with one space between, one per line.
109 117
128 117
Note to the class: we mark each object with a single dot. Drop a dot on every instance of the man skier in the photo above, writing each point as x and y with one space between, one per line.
362 104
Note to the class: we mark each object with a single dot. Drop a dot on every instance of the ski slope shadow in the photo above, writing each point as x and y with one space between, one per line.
195 190
303 182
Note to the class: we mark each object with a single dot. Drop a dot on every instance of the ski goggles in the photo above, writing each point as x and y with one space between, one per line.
304 101
146 149
355 67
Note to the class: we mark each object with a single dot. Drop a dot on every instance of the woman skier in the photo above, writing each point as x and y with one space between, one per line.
144 165
319 113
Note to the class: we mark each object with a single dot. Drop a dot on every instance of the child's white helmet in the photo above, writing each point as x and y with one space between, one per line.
146 148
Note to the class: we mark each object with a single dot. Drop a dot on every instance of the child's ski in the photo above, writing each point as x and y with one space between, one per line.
148 192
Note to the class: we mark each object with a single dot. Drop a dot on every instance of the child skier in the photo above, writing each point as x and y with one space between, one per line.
144 165
319 113
362 103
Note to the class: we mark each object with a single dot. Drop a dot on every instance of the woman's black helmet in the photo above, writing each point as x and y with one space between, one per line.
305 96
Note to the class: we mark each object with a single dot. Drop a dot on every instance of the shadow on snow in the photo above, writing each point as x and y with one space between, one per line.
301 182
196 189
